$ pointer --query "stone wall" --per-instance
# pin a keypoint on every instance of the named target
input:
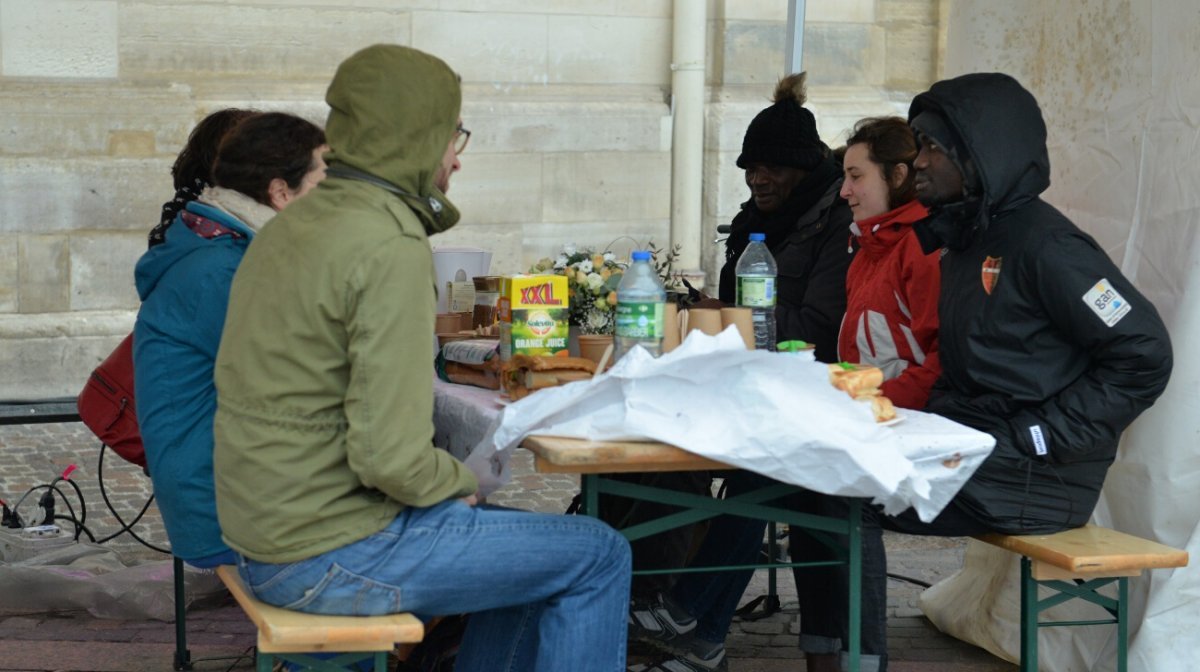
(568, 102)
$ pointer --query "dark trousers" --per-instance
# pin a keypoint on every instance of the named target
(666, 550)
(712, 597)
(823, 591)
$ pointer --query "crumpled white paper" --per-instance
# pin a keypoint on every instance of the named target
(775, 414)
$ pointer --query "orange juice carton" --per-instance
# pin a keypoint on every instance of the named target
(533, 315)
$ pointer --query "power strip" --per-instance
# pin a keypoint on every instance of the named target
(24, 543)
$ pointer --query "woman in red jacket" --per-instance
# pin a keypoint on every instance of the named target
(892, 287)
(891, 322)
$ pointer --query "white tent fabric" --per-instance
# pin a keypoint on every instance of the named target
(1119, 84)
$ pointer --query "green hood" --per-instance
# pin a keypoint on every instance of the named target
(393, 111)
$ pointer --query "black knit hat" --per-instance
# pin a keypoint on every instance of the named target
(784, 134)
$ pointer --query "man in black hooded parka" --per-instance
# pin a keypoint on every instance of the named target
(1044, 344)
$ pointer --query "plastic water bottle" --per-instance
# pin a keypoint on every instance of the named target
(640, 301)
(756, 273)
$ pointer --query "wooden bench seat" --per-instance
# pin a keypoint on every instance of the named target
(1076, 564)
(282, 632)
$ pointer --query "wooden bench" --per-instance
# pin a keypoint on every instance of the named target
(1075, 564)
(288, 635)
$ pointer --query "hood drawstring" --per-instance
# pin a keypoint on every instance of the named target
(349, 173)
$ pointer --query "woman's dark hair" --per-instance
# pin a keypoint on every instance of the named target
(890, 142)
(195, 161)
(264, 147)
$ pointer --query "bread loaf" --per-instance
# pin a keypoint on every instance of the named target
(479, 375)
(856, 380)
(524, 374)
(883, 409)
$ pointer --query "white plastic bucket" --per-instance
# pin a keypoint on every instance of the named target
(458, 264)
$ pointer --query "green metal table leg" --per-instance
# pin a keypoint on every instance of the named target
(1122, 624)
(264, 662)
(590, 487)
(772, 550)
(1029, 618)
(855, 561)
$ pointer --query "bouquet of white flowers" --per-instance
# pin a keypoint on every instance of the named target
(592, 280)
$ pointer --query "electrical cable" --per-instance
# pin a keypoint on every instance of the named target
(79, 521)
(908, 579)
(125, 527)
(248, 653)
(79, 527)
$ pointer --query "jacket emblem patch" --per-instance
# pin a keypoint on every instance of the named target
(990, 273)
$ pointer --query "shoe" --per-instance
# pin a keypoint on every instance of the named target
(662, 623)
(822, 662)
(687, 663)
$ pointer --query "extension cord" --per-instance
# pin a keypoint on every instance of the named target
(24, 543)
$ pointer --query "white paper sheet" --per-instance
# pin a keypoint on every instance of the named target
(775, 414)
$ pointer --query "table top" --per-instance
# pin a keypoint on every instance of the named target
(558, 454)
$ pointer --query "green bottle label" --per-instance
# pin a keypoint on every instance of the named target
(640, 320)
(756, 292)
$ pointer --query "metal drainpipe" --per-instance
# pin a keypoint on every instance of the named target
(793, 56)
(688, 34)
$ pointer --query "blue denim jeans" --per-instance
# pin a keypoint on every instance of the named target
(545, 592)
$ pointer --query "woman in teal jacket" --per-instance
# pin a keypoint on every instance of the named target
(264, 163)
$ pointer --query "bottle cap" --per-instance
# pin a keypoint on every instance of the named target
(758, 237)
(641, 255)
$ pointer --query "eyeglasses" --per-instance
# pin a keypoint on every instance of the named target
(461, 137)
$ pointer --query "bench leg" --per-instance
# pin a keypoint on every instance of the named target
(327, 662)
(1122, 624)
(1029, 618)
(183, 657)
(263, 662)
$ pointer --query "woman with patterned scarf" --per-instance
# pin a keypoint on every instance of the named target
(264, 163)
(192, 170)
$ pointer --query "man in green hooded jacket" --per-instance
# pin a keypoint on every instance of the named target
(329, 487)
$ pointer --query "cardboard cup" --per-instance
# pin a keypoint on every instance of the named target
(707, 320)
(448, 323)
(671, 330)
(592, 346)
(743, 319)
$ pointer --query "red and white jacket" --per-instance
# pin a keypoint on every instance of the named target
(892, 306)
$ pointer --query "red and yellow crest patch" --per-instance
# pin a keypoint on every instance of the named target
(990, 273)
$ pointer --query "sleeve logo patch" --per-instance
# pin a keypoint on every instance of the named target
(1106, 303)
(1039, 440)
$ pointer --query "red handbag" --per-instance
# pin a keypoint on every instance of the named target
(106, 404)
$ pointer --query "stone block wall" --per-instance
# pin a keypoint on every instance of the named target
(568, 102)
(863, 58)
